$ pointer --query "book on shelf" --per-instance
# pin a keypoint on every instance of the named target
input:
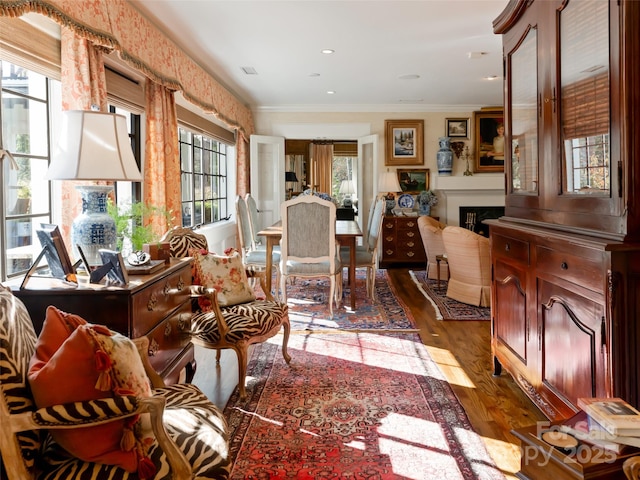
(580, 426)
(614, 415)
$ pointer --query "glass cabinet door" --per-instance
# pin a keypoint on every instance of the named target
(584, 98)
(524, 115)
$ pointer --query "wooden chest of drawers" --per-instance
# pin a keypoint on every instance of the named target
(401, 243)
(156, 305)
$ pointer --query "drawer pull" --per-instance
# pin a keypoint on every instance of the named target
(410, 244)
(153, 347)
(183, 323)
(507, 247)
(389, 252)
(564, 266)
(167, 289)
(389, 239)
(167, 330)
(410, 224)
(180, 285)
(410, 254)
(153, 301)
(410, 234)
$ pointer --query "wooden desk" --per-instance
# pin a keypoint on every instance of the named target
(157, 306)
(346, 233)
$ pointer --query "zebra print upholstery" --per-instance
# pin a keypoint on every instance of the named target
(182, 239)
(191, 421)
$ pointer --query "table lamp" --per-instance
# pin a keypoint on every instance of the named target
(346, 189)
(289, 178)
(93, 146)
(388, 182)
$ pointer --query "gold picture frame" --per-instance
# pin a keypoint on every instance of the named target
(413, 180)
(404, 142)
(489, 150)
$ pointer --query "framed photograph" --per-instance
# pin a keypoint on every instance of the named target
(55, 251)
(117, 274)
(413, 180)
(457, 127)
(489, 141)
(404, 142)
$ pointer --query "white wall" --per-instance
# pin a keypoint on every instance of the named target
(483, 189)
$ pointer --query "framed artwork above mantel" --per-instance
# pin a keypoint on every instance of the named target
(404, 142)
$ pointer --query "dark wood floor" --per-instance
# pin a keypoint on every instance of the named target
(495, 405)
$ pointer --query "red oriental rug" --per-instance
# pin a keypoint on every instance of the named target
(351, 405)
(447, 308)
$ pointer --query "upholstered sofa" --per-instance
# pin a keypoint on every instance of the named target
(431, 234)
(468, 256)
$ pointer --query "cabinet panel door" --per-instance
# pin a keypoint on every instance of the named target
(511, 324)
(572, 341)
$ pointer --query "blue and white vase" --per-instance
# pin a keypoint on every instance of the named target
(94, 228)
(445, 157)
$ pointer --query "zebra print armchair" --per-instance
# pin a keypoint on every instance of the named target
(191, 438)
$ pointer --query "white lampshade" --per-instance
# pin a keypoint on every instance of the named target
(93, 146)
(388, 182)
(346, 187)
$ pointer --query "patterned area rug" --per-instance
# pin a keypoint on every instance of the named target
(351, 405)
(447, 308)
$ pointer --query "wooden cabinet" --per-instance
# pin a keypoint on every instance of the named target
(401, 242)
(566, 254)
(156, 305)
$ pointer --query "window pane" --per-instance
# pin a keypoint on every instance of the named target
(23, 82)
(23, 122)
(22, 244)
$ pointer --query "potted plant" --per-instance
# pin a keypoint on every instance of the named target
(426, 200)
(133, 228)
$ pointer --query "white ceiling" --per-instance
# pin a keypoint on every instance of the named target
(375, 42)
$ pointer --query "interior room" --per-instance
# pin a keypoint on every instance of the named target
(355, 239)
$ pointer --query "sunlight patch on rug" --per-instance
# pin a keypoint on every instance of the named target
(352, 406)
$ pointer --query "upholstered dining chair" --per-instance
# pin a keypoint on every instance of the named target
(94, 420)
(228, 314)
(367, 254)
(308, 247)
(254, 256)
(468, 256)
(431, 233)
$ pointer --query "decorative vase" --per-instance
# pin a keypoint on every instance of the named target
(94, 228)
(425, 209)
(445, 156)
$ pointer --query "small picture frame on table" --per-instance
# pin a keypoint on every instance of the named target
(117, 274)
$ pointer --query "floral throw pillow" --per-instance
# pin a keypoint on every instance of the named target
(225, 274)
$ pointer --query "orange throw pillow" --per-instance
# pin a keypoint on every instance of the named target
(77, 361)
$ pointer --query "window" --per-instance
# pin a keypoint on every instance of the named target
(29, 101)
(130, 192)
(204, 174)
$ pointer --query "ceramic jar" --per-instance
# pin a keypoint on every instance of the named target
(445, 157)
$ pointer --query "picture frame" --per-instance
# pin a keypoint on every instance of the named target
(457, 127)
(404, 142)
(413, 180)
(55, 253)
(117, 274)
(488, 158)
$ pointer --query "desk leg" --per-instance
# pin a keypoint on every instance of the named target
(269, 262)
(352, 271)
(438, 269)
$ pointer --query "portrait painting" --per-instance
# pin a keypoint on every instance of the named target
(489, 140)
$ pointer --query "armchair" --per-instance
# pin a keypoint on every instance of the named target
(468, 256)
(190, 432)
(431, 234)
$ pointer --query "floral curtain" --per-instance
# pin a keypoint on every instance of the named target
(83, 85)
(162, 159)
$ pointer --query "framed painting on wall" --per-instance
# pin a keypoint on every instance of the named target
(404, 142)
(413, 180)
(489, 140)
(457, 127)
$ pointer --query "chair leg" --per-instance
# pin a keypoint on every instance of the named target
(241, 349)
(283, 288)
(332, 293)
(218, 353)
(285, 339)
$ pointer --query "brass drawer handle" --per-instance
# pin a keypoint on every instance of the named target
(153, 347)
(410, 224)
(167, 289)
(180, 284)
(410, 234)
(410, 254)
(153, 301)
(410, 244)
(167, 330)
(389, 252)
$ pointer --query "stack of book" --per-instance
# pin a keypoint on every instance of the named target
(609, 423)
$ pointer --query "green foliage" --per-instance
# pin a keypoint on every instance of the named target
(133, 223)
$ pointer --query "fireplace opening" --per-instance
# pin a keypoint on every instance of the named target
(472, 218)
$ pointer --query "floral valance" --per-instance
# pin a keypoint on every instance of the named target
(117, 25)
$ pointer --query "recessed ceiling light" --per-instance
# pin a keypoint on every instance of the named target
(476, 54)
(327, 51)
(314, 74)
(249, 70)
(491, 77)
(331, 92)
(410, 76)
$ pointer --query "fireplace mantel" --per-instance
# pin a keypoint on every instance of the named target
(476, 190)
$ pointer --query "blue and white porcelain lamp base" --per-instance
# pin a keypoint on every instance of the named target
(94, 228)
